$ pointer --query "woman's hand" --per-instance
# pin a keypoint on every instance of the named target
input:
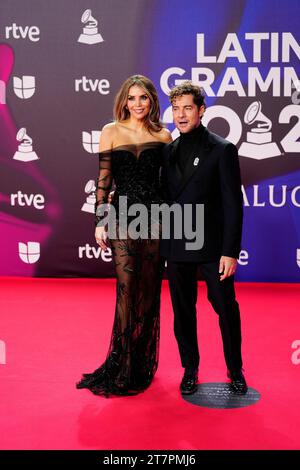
(101, 237)
(110, 197)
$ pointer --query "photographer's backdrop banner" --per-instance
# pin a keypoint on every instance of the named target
(61, 64)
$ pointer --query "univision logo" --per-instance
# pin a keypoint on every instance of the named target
(29, 252)
(24, 87)
(90, 141)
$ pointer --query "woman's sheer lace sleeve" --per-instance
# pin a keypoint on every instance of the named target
(103, 187)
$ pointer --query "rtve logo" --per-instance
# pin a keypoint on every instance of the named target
(22, 199)
(20, 32)
(89, 251)
(88, 84)
(29, 252)
(243, 258)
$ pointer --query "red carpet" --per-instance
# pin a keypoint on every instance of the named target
(55, 329)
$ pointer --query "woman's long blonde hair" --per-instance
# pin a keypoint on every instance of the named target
(152, 121)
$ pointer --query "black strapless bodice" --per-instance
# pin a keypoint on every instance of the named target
(134, 170)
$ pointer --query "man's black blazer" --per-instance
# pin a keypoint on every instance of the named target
(211, 177)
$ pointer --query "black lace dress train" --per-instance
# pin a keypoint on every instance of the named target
(132, 357)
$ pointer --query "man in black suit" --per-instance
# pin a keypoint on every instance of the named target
(202, 168)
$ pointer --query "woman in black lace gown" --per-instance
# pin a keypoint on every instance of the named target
(130, 156)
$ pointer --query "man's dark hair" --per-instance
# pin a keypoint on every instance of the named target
(188, 88)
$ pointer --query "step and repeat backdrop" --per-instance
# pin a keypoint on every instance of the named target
(61, 64)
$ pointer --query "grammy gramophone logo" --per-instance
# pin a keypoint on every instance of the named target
(90, 33)
(259, 143)
(25, 151)
(89, 205)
